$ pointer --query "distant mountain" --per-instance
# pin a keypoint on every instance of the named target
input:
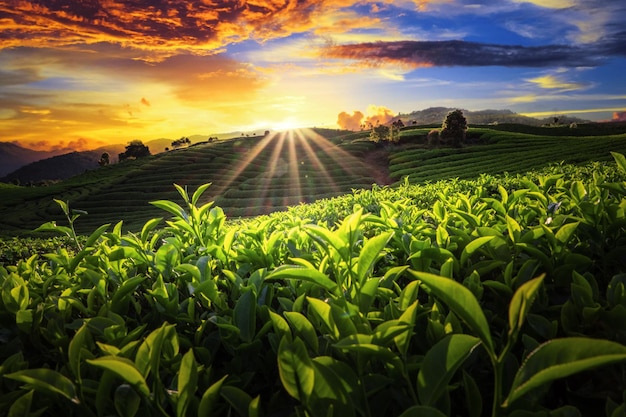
(13, 156)
(58, 167)
(436, 115)
(25, 165)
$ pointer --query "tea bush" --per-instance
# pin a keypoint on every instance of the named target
(496, 296)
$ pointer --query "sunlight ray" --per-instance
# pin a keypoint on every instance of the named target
(317, 164)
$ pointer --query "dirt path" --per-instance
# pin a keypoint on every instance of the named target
(378, 163)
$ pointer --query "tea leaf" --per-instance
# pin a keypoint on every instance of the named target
(460, 300)
(520, 304)
(370, 253)
(21, 406)
(125, 369)
(126, 401)
(620, 160)
(237, 398)
(244, 315)
(559, 358)
(187, 383)
(303, 329)
(422, 411)
(473, 246)
(440, 364)
(303, 274)
(47, 380)
(295, 369)
(210, 397)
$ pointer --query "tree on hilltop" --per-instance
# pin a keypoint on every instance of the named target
(104, 159)
(184, 141)
(454, 128)
(135, 149)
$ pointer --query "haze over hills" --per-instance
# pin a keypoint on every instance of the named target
(18, 164)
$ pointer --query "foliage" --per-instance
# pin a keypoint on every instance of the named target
(184, 141)
(135, 149)
(104, 159)
(454, 128)
(493, 298)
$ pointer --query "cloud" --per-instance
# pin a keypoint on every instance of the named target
(556, 83)
(376, 115)
(161, 28)
(350, 122)
(145, 102)
(619, 116)
(459, 53)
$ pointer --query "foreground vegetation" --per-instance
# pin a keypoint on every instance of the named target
(501, 295)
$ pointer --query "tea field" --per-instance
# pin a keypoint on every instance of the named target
(488, 280)
(258, 175)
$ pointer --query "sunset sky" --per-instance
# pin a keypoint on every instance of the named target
(85, 73)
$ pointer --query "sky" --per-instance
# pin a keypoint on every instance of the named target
(84, 73)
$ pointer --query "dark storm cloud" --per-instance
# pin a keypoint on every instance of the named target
(462, 53)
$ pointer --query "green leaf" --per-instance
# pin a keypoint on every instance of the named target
(126, 401)
(559, 358)
(237, 398)
(520, 304)
(473, 246)
(76, 346)
(620, 160)
(120, 295)
(148, 227)
(370, 253)
(460, 300)
(514, 228)
(244, 315)
(47, 380)
(304, 274)
(303, 329)
(198, 193)
(125, 369)
(422, 411)
(440, 364)
(210, 397)
(187, 383)
(565, 232)
(21, 406)
(473, 397)
(295, 369)
(170, 207)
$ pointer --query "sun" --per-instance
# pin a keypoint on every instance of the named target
(287, 124)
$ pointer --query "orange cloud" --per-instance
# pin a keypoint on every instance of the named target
(376, 115)
(163, 28)
(350, 122)
(619, 116)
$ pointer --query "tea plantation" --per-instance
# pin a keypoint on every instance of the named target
(494, 292)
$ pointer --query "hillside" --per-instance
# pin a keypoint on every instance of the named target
(434, 116)
(13, 156)
(259, 175)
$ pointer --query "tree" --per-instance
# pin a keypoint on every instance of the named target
(454, 128)
(181, 142)
(104, 159)
(135, 149)
(379, 133)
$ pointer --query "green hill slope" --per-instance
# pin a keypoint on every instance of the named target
(260, 175)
